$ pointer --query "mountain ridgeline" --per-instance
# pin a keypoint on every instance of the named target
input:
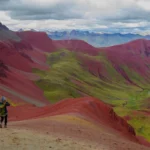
(96, 39)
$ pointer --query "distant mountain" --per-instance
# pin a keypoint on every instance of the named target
(22, 30)
(96, 39)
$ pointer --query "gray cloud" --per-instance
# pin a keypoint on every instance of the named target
(6, 1)
(75, 9)
(108, 15)
(131, 15)
(27, 15)
(24, 11)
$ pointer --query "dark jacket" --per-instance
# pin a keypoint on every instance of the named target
(5, 107)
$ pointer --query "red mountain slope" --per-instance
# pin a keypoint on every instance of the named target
(77, 46)
(20, 58)
(39, 40)
(135, 55)
(88, 108)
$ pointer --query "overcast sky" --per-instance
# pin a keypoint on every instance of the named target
(97, 15)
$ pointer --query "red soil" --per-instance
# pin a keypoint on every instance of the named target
(134, 54)
(10, 55)
(88, 108)
(22, 52)
(38, 39)
(95, 67)
(77, 46)
(20, 58)
(23, 85)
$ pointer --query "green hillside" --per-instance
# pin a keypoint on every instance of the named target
(68, 77)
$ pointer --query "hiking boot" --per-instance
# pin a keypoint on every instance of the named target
(0, 125)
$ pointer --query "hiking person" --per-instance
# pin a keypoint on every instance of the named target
(3, 111)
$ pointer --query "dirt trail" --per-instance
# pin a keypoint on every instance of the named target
(19, 139)
(61, 133)
(21, 96)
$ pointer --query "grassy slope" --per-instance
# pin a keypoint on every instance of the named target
(67, 78)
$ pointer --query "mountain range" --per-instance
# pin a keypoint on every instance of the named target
(96, 39)
(73, 88)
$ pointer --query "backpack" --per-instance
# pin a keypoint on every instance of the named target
(2, 109)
